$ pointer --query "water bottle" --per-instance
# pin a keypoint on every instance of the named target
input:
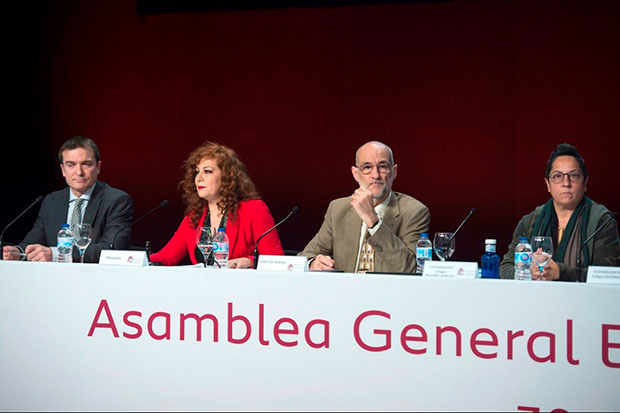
(220, 248)
(423, 251)
(523, 260)
(65, 244)
(490, 260)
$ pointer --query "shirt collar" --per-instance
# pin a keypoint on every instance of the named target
(380, 209)
(85, 196)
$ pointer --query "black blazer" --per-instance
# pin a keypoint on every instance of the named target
(109, 211)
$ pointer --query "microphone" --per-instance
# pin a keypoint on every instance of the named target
(612, 215)
(163, 204)
(293, 211)
(471, 212)
(36, 201)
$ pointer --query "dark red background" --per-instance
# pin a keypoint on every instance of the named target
(471, 95)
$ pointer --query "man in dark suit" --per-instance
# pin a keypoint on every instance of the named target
(86, 200)
(374, 229)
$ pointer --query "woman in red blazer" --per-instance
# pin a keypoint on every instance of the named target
(218, 193)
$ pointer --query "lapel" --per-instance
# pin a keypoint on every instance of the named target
(232, 231)
(391, 217)
(58, 216)
(93, 205)
(352, 233)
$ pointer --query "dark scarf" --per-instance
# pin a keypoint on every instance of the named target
(546, 224)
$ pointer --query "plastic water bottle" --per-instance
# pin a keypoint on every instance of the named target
(220, 248)
(490, 260)
(423, 251)
(523, 260)
(65, 244)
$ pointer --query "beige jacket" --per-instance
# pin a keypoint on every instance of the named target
(394, 243)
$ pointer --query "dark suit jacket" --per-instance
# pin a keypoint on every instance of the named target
(394, 243)
(109, 211)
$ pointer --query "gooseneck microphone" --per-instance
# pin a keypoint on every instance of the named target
(293, 211)
(471, 212)
(36, 201)
(612, 215)
(163, 204)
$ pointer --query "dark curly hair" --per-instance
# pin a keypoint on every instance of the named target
(236, 184)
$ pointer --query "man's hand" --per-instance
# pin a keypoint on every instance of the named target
(363, 203)
(550, 273)
(37, 252)
(11, 253)
(322, 263)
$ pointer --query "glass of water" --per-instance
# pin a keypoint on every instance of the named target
(204, 242)
(444, 245)
(82, 238)
(542, 251)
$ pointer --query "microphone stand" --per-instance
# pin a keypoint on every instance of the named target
(36, 201)
(294, 210)
(581, 277)
(471, 212)
(163, 204)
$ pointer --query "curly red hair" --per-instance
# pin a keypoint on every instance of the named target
(236, 184)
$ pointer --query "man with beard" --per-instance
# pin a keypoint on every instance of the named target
(374, 229)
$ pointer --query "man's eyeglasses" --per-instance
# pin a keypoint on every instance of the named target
(558, 177)
(367, 168)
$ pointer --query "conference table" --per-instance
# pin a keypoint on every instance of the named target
(103, 337)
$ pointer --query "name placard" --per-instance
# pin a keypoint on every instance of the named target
(450, 269)
(603, 275)
(282, 263)
(122, 257)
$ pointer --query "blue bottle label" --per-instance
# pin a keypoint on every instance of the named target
(523, 257)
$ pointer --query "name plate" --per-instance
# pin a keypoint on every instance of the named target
(603, 275)
(450, 269)
(121, 257)
(282, 263)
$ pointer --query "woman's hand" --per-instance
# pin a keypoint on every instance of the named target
(240, 263)
(550, 273)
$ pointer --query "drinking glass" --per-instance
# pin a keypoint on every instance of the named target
(82, 238)
(444, 245)
(204, 241)
(542, 251)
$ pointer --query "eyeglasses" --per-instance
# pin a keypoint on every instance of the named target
(574, 176)
(366, 169)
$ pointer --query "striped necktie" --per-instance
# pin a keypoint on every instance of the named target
(76, 215)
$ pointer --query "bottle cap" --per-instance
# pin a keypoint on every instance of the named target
(65, 225)
(490, 241)
(424, 234)
(221, 230)
(522, 239)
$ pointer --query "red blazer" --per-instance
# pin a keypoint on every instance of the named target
(253, 219)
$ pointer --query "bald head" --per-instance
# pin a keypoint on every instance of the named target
(376, 145)
(375, 170)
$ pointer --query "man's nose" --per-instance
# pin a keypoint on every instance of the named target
(375, 173)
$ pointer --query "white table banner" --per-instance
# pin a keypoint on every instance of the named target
(93, 337)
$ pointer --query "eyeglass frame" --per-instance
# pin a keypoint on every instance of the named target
(567, 174)
(387, 166)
